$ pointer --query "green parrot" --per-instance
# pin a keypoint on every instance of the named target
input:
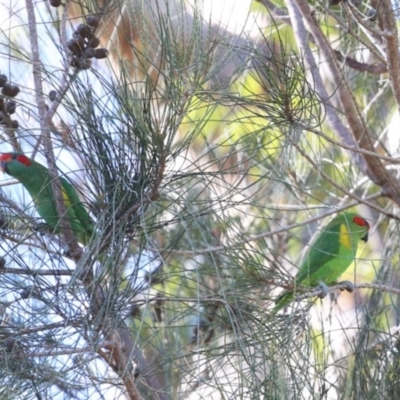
(331, 254)
(36, 180)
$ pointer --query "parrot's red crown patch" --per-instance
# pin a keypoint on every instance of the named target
(7, 157)
(23, 159)
(360, 221)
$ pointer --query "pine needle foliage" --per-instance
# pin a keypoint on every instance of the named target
(210, 155)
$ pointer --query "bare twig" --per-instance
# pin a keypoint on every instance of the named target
(344, 286)
(387, 21)
(40, 272)
(375, 69)
(391, 160)
(45, 123)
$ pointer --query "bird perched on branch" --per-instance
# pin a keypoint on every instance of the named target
(330, 255)
(37, 181)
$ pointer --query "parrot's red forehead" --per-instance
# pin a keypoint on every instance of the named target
(361, 221)
(7, 157)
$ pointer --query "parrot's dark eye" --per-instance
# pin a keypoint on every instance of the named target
(4, 167)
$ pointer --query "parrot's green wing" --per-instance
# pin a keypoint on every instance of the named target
(38, 183)
(323, 251)
(80, 220)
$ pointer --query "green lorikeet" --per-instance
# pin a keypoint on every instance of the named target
(330, 255)
(37, 181)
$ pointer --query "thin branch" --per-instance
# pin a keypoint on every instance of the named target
(45, 124)
(56, 353)
(344, 286)
(391, 160)
(375, 69)
(30, 272)
(387, 21)
(71, 322)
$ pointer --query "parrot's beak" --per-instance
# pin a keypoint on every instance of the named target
(4, 167)
(365, 238)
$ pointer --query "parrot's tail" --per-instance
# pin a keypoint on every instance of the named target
(282, 301)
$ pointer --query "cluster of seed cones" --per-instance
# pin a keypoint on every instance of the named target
(84, 43)
(7, 104)
(83, 46)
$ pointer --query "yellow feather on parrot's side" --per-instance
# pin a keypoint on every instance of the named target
(344, 236)
(67, 200)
